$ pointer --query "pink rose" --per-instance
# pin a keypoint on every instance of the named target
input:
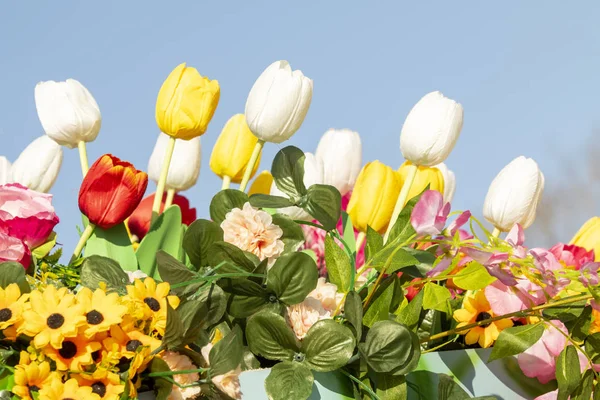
(26, 214)
(13, 249)
(571, 255)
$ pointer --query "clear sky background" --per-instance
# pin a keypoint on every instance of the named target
(525, 72)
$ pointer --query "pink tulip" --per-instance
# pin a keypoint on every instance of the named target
(13, 249)
(26, 214)
(430, 213)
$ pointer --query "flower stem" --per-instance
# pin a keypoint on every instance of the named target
(410, 178)
(171, 373)
(361, 384)
(160, 188)
(226, 182)
(170, 197)
(250, 167)
(339, 306)
(496, 232)
(89, 229)
(83, 159)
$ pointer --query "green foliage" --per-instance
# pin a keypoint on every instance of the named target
(162, 387)
(412, 314)
(174, 330)
(97, 269)
(292, 277)
(353, 312)
(568, 373)
(448, 389)
(516, 340)
(324, 203)
(289, 380)
(393, 259)
(234, 259)
(173, 271)
(198, 238)
(269, 336)
(113, 243)
(267, 201)
(403, 229)
(293, 236)
(391, 387)
(13, 272)
(436, 297)
(339, 266)
(379, 307)
(584, 390)
(288, 171)
(473, 277)
(328, 346)
(226, 355)
(374, 244)
(225, 201)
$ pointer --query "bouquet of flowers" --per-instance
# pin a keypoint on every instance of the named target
(323, 266)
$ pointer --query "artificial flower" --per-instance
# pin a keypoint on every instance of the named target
(13, 249)
(30, 377)
(57, 390)
(262, 184)
(184, 168)
(12, 305)
(108, 388)
(37, 166)
(341, 153)
(430, 214)
(74, 353)
(572, 256)
(181, 362)
(128, 342)
(5, 171)
(588, 236)
(425, 176)
(102, 310)
(152, 299)
(449, 181)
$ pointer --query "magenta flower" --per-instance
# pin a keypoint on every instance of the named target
(572, 255)
(13, 249)
(589, 274)
(430, 213)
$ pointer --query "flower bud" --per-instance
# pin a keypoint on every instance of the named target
(514, 195)
(185, 162)
(233, 150)
(374, 197)
(425, 176)
(431, 130)
(449, 182)
(68, 112)
(341, 152)
(5, 174)
(262, 184)
(38, 165)
(588, 236)
(186, 103)
(278, 102)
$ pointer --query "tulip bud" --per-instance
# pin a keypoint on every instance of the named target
(374, 197)
(38, 165)
(588, 236)
(313, 174)
(431, 130)
(449, 182)
(341, 152)
(110, 191)
(233, 149)
(186, 103)
(5, 174)
(185, 163)
(278, 102)
(68, 112)
(425, 176)
(514, 195)
(139, 221)
(262, 184)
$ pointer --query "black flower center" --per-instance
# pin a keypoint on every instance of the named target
(68, 398)
(32, 390)
(68, 350)
(152, 303)
(94, 317)
(133, 345)
(483, 316)
(55, 321)
(96, 356)
(5, 314)
(99, 388)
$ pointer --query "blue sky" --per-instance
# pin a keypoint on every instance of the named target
(526, 74)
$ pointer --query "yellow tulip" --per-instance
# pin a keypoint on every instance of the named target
(262, 184)
(233, 149)
(374, 197)
(186, 103)
(425, 176)
(588, 236)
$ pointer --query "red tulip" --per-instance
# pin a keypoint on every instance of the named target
(139, 222)
(110, 191)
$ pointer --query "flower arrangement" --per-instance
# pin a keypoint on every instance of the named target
(325, 265)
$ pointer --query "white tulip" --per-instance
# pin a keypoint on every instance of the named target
(514, 195)
(431, 130)
(38, 165)
(449, 182)
(68, 112)
(278, 102)
(313, 174)
(5, 168)
(185, 162)
(341, 152)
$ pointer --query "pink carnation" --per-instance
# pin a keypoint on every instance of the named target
(571, 255)
(13, 249)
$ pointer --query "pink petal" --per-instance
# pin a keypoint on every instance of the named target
(516, 236)
(459, 222)
(427, 215)
(502, 299)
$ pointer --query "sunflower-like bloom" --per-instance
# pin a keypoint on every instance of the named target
(12, 305)
(101, 310)
(30, 377)
(57, 390)
(54, 315)
(108, 388)
(74, 354)
(476, 308)
(152, 299)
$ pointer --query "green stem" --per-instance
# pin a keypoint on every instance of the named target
(226, 182)
(250, 167)
(496, 232)
(171, 373)
(160, 188)
(410, 178)
(87, 232)
(83, 159)
(362, 385)
(170, 197)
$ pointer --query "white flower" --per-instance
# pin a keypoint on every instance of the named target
(38, 165)
(68, 112)
(449, 182)
(252, 230)
(313, 174)
(136, 275)
(185, 162)
(341, 153)
(278, 102)
(180, 362)
(5, 168)
(514, 195)
(431, 130)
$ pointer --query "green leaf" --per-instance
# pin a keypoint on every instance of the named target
(42, 250)
(516, 340)
(374, 243)
(592, 346)
(324, 203)
(293, 236)
(269, 336)
(436, 297)
(164, 234)
(267, 201)
(96, 269)
(353, 313)
(390, 387)
(162, 387)
(227, 354)
(391, 348)
(379, 307)
(289, 380)
(348, 232)
(214, 304)
(198, 238)
(113, 243)
(425, 261)
(174, 330)
(411, 314)
(220, 252)
(450, 390)
(13, 272)
(393, 259)
(225, 201)
(568, 373)
(190, 313)
(473, 277)
(584, 390)
(247, 297)
(580, 327)
(288, 171)
(328, 346)
(173, 271)
(339, 266)
(566, 313)
(293, 277)
(403, 229)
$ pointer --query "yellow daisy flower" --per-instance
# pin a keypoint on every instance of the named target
(108, 388)
(30, 377)
(476, 308)
(152, 299)
(11, 306)
(101, 310)
(54, 315)
(74, 354)
(70, 390)
(128, 343)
